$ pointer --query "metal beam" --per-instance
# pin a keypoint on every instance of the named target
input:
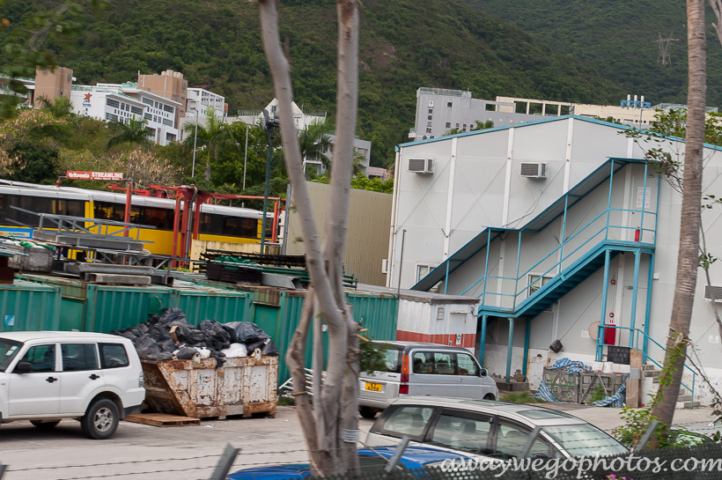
(482, 340)
(635, 289)
(510, 346)
(527, 333)
(605, 292)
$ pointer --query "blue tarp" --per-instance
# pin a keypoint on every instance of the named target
(572, 366)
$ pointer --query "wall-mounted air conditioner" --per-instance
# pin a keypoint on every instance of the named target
(421, 165)
(534, 170)
(385, 266)
(713, 292)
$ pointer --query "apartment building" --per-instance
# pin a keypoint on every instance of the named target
(169, 84)
(199, 103)
(121, 102)
(52, 84)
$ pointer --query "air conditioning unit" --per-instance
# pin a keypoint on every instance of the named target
(421, 165)
(713, 292)
(385, 266)
(534, 170)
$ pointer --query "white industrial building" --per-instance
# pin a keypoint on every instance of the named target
(199, 103)
(121, 102)
(556, 226)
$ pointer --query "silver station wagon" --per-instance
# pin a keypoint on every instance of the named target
(490, 430)
(423, 369)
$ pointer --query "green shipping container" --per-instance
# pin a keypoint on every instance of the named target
(29, 306)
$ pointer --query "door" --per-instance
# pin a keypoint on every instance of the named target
(463, 431)
(433, 373)
(80, 376)
(37, 392)
(471, 384)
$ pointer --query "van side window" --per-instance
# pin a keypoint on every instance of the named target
(41, 358)
(434, 363)
(113, 355)
(423, 362)
(467, 365)
(79, 356)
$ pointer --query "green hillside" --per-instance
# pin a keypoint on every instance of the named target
(617, 38)
(405, 44)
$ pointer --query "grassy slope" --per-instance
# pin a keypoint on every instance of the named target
(617, 38)
(405, 44)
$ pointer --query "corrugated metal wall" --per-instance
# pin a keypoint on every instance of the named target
(368, 231)
(29, 306)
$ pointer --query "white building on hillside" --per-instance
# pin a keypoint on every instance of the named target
(199, 102)
(556, 226)
(121, 102)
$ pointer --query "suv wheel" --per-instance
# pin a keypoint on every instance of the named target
(101, 419)
(45, 425)
(367, 412)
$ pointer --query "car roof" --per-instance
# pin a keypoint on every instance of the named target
(408, 345)
(43, 335)
(531, 414)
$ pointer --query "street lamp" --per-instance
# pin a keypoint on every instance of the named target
(268, 126)
(195, 139)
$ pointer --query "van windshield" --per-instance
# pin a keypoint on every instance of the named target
(8, 350)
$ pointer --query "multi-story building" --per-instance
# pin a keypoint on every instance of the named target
(564, 231)
(52, 84)
(168, 84)
(121, 102)
(199, 104)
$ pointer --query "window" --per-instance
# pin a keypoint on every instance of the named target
(449, 104)
(468, 433)
(510, 440)
(9, 215)
(8, 350)
(535, 282)
(136, 110)
(113, 355)
(434, 363)
(584, 440)
(112, 103)
(79, 357)
(448, 124)
(147, 101)
(41, 358)
(409, 420)
(111, 118)
(467, 365)
(168, 108)
(148, 116)
(160, 218)
(423, 270)
(167, 122)
(490, 107)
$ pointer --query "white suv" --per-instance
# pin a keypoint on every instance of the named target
(92, 377)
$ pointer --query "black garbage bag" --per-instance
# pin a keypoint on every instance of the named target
(186, 353)
(245, 332)
(147, 347)
(161, 334)
(267, 347)
(127, 334)
(160, 357)
(216, 337)
(170, 315)
(188, 334)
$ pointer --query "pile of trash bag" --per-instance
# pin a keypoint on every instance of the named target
(168, 335)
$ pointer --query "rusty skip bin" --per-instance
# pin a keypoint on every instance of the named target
(242, 386)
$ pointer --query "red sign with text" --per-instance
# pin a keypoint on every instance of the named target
(107, 176)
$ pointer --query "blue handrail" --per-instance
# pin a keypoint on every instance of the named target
(645, 357)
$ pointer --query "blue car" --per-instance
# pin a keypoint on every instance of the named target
(413, 458)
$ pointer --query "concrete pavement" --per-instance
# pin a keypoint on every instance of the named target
(189, 453)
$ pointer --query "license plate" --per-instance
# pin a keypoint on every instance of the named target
(374, 387)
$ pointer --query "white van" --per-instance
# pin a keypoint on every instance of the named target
(423, 369)
(47, 376)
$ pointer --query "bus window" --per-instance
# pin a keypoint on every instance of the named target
(73, 208)
(160, 218)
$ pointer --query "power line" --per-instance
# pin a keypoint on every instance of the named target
(665, 47)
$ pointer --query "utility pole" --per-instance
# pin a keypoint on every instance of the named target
(269, 126)
(195, 139)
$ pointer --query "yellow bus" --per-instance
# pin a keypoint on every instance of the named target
(217, 222)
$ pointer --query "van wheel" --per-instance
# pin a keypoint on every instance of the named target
(367, 412)
(101, 419)
(45, 425)
(489, 396)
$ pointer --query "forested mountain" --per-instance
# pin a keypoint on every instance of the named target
(405, 44)
(618, 39)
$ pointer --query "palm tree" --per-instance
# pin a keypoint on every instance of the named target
(133, 132)
(315, 142)
(688, 253)
(59, 108)
(213, 135)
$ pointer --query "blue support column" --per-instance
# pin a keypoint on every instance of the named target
(486, 265)
(482, 341)
(650, 280)
(605, 293)
(446, 279)
(527, 333)
(518, 261)
(635, 287)
(508, 352)
(609, 201)
(644, 203)
(564, 232)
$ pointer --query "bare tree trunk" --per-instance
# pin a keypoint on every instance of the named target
(688, 256)
(335, 399)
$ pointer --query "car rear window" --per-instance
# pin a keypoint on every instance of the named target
(585, 440)
(113, 355)
(390, 361)
(408, 420)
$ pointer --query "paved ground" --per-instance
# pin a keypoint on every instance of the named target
(187, 453)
